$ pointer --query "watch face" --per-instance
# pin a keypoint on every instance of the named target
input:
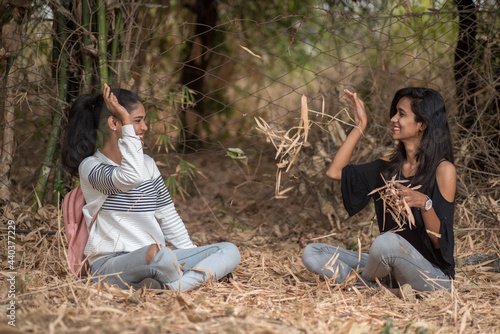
(428, 205)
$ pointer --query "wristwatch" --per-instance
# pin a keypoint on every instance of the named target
(428, 204)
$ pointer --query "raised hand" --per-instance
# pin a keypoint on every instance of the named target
(344, 153)
(116, 108)
(357, 107)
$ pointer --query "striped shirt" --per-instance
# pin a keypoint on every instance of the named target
(136, 209)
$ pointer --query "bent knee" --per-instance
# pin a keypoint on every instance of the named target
(385, 243)
(231, 249)
(311, 258)
(152, 251)
(308, 254)
(160, 256)
(318, 249)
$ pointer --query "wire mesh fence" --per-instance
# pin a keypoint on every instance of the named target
(206, 69)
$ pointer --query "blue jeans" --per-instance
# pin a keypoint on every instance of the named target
(386, 256)
(198, 265)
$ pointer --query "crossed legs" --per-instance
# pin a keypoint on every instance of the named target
(389, 254)
(164, 265)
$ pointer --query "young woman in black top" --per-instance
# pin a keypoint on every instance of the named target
(420, 256)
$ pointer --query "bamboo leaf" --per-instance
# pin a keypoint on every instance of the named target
(411, 219)
(404, 250)
(294, 157)
(323, 106)
(250, 52)
(292, 145)
(259, 124)
(304, 116)
(285, 191)
(377, 190)
(434, 233)
(237, 154)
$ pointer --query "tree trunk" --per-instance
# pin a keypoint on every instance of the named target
(62, 83)
(10, 28)
(195, 66)
(8, 134)
(465, 55)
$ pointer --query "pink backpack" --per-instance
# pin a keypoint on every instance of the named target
(77, 233)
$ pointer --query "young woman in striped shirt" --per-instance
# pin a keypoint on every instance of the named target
(135, 213)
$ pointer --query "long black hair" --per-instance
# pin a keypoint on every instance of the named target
(87, 120)
(435, 145)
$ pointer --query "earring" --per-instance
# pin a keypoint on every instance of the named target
(114, 129)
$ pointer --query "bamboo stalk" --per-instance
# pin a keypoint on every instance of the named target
(87, 62)
(58, 190)
(125, 58)
(102, 43)
(115, 44)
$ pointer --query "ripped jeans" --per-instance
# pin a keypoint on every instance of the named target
(386, 257)
(216, 260)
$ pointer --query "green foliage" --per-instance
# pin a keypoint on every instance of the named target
(236, 225)
(352, 246)
(59, 187)
(388, 327)
(185, 97)
(170, 124)
(422, 330)
(237, 154)
(164, 140)
(181, 182)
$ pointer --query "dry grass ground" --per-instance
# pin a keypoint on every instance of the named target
(272, 292)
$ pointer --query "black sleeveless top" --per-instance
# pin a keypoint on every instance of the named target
(359, 180)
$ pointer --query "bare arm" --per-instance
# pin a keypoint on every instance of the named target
(344, 153)
(446, 177)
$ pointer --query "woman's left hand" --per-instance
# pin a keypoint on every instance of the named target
(412, 197)
(114, 106)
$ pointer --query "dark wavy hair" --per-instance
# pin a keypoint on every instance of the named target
(87, 123)
(428, 107)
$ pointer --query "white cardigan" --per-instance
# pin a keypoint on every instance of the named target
(135, 206)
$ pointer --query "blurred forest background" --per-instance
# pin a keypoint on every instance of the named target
(212, 73)
(207, 68)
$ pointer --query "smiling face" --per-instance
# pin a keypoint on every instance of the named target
(404, 126)
(137, 117)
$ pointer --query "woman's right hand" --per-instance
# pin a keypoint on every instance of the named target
(344, 153)
(116, 108)
(358, 108)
